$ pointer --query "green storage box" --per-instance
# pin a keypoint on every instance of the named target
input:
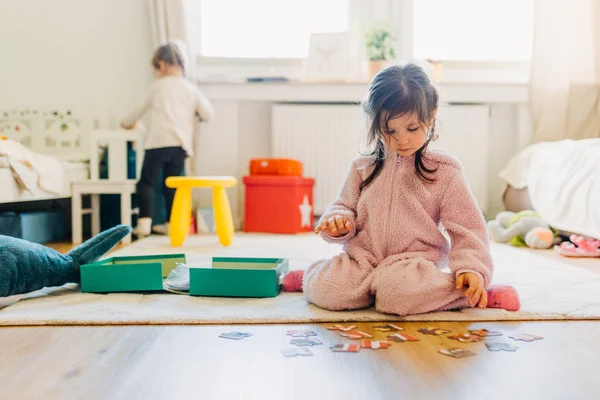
(239, 277)
(128, 274)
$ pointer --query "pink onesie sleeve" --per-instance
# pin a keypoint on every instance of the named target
(345, 205)
(464, 222)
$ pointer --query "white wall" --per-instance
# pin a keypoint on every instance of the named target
(90, 56)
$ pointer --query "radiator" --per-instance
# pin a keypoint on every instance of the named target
(326, 137)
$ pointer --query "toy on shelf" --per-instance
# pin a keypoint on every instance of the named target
(239, 277)
(525, 228)
(579, 246)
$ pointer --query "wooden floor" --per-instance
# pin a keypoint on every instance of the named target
(159, 362)
(65, 247)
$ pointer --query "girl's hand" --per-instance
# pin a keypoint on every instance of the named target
(334, 226)
(475, 293)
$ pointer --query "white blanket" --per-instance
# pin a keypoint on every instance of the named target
(563, 181)
(33, 169)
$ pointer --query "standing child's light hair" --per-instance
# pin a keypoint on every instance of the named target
(169, 53)
(399, 90)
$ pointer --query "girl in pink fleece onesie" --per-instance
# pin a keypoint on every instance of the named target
(390, 212)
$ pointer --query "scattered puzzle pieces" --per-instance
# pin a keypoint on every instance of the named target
(501, 347)
(341, 328)
(402, 337)
(356, 335)
(346, 348)
(456, 352)
(301, 333)
(235, 335)
(466, 338)
(434, 331)
(387, 328)
(484, 333)
(374, 344)
(306, 342)
(526, 337)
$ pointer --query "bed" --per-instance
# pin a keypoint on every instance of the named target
(58, 135)
(561, 181)
(13, 192)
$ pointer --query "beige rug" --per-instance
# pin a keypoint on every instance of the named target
(551, 288)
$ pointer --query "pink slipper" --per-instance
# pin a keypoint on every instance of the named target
(292, 281)
(503, 296)
(580, 247)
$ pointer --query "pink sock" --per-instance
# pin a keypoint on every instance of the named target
(503, 296)
(292, 281)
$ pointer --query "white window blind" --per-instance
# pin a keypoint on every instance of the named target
(473, 30)
(266, 28)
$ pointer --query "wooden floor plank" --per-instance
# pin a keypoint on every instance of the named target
(155, 362)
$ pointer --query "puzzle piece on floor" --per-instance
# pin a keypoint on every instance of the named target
(295, 351)
(526, 337)
(341, 328)
(306, 342)
(434, 331)
(402, 337)
(301, 333)
(346, 348)
(356, 335)
(484, 333)
(456, 352)
(387, 328)
(501, 347)
(235, 335)
(466, 338)
(374, 344)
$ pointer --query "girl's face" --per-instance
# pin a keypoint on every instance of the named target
(405, 134)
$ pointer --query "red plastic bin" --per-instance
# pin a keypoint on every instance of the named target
(275, 166)
(278, 204)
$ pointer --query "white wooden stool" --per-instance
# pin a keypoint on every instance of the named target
(95, 189)
(117, 182)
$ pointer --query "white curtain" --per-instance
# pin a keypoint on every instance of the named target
(168, 23)
(565, 78)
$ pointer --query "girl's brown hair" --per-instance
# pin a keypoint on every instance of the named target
(170, 54)
(395, 91)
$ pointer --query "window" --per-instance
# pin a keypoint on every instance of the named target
(266, 28)
(473, 30)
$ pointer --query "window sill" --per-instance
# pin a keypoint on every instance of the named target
(334, 92)
(499, 77)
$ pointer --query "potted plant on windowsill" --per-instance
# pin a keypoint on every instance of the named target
(379, 42)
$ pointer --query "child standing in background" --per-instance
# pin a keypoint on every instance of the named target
(175, 104)
(389, 212)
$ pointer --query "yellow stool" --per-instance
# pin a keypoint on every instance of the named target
(182, 206)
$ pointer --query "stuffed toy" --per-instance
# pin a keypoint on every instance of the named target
(26, 267)
(579, 246)
(525, 228)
